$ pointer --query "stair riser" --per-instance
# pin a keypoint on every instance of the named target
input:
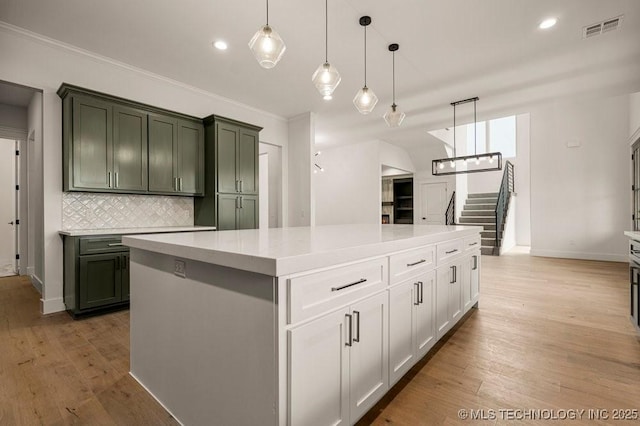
(488, 242)
(483, 195)
(491, 201)
(478, 213)
(487, 207)
(471, 220)
(488, 251)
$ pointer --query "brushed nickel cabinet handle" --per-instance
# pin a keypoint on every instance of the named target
(416, 263)
(180, 183)
(452, 251)
(117, 180)
(109, 179)
(114, 244)
(417, 286)
(356, 315)
(421, 292)
(342, 287)
(349, 330)
(475, 262)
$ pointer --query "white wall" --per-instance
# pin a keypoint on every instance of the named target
(579, 196)
(275, 183)
(35, 206)
(522, 184)
(13, 116)
(301, 200)
(634, 113)
(44, 64)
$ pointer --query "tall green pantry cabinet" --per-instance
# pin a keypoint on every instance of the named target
(231, 195)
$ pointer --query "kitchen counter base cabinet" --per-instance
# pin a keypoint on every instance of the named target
(96, 274)
(310, 346)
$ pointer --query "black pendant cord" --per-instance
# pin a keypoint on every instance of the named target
(475, 130)
(326, 31)
(393, 74)
(267, 12)
(365, 56)
(454, 130)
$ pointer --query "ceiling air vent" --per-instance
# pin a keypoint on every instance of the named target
(602, 27)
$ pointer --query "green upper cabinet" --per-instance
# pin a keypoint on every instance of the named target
(237, 157)
(115, 145)
(231, 174)
(176, 155)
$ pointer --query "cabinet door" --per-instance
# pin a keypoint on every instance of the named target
(425, 318)
(402, 299)
(190, 157)
(100, 280)
(248, 212)
(227, 211)
(163, 137)
(92, 143)
(248, 161)
(444, 279)
(467, 266)
(318, 373)
(369, 356)
(129, 149)
(455, 294)
(475, 277)
(227, 157)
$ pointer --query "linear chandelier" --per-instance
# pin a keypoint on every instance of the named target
(487, 162)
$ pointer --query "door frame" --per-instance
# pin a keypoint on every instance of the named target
(20, 138)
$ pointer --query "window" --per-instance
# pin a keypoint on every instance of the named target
(502, 136)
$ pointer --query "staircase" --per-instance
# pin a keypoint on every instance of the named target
(480, 210)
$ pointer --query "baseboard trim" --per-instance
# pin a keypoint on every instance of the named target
(155, 397)
(35, 281)
(580, 255)
(51, 306)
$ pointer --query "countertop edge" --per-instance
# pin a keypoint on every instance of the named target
(133, 231)
(279, 267)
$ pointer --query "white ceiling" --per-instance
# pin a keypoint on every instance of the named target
(15, 95)
(449, 50)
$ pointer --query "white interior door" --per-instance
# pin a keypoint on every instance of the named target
(263, 167)
(433, 203)
(7, 207)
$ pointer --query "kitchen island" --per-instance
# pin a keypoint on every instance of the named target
(292, 325)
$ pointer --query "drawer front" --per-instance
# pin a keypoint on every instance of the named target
(315, 293)
(404, 265)
(102, 244)
(472, 243)
(449, 250)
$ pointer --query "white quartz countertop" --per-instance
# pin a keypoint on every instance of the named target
(633, 235)
(123, 231)
(284, 251)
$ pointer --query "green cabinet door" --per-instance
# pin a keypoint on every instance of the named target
(91, 143)
(248, 161)
(227, 156)
(190, 157)
(248, 212)
(163, 136)
(125, 276)
(100, 280)
(227, 212)
(129, 149)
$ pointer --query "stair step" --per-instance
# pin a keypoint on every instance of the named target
(488, 234)
(490, 200)
(489, 251)
(477, 220)
(486, 213)
(484, 195)
(491, 207)
(488, 242)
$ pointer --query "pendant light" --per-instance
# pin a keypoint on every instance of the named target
(394, 116)
(365, 99)
(326, 78)
(266, 45)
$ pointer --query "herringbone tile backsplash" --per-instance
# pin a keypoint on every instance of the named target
(99, 211)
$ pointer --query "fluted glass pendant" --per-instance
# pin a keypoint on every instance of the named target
(394, 116)
(365, 100)
(326, 79)
(267, 47)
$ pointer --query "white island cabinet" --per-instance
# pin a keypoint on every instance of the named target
(291, 326)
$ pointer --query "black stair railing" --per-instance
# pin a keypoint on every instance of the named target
(450, 215)
(504, 196)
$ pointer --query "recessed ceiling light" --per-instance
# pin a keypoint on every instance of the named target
(220, 45)
(547, 23)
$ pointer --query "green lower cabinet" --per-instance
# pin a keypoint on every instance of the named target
(96, 274)
(237, 212)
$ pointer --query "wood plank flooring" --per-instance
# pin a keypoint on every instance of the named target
(550, 334)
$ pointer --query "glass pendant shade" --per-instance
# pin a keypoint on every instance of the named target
(326, 79)
(365, 100)
(267, 47)
(394, 116)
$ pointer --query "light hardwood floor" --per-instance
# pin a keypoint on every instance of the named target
(549, 334)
